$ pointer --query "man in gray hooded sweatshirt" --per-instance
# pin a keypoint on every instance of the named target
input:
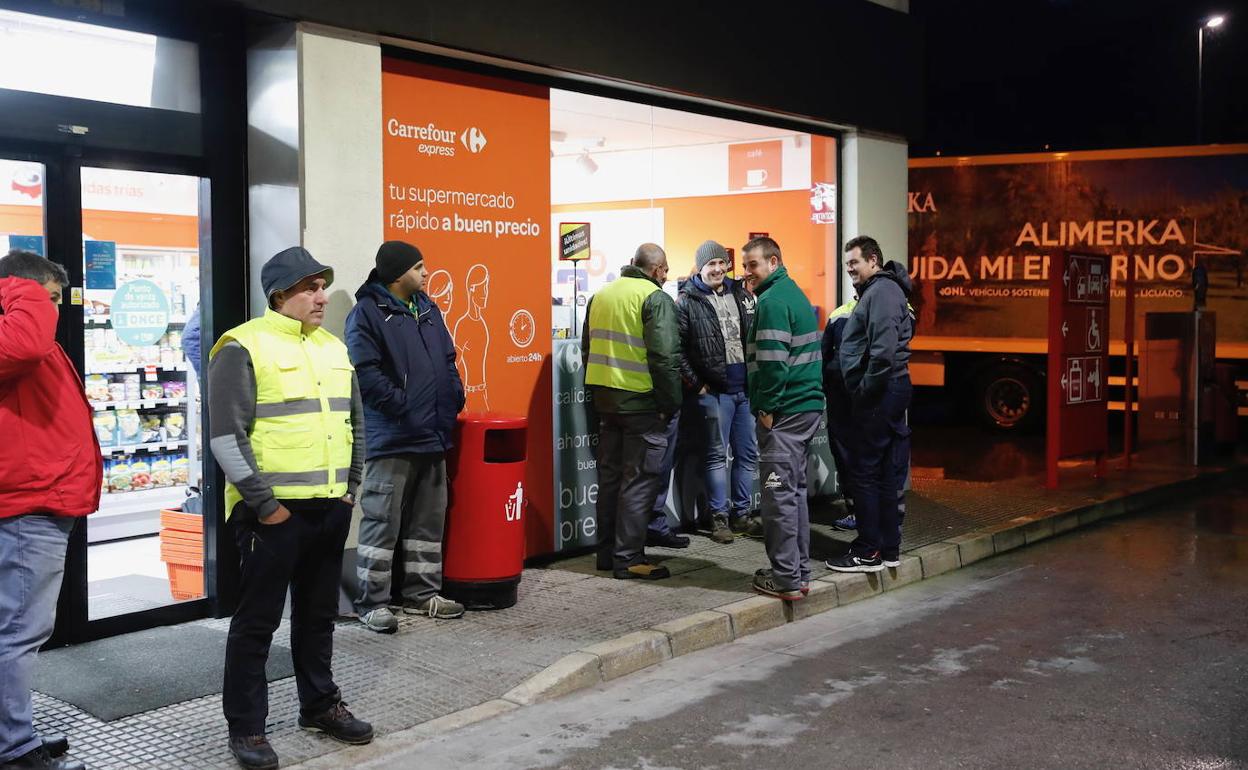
(875, 363)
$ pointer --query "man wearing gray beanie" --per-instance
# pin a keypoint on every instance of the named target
(715, 313)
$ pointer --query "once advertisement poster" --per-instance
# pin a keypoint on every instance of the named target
(467, 179)
(982, 235)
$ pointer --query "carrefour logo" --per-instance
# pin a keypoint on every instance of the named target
(472, 139)
(437, 141)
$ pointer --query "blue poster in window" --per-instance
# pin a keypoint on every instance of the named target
(140, 313)
(31, 243)
(101, 264)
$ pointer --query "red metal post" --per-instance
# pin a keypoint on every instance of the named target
(1053, 426)
(1128, 407)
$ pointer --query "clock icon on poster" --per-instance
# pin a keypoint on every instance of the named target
(522, 327)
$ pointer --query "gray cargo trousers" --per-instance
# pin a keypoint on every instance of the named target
(785, 510)
(630, 453)
(403, 498)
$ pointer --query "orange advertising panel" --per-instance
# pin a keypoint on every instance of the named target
(466, 177)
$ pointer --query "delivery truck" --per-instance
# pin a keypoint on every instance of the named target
(982, 231)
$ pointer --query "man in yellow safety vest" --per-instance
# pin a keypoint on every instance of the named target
(631, 349)
(287, 429)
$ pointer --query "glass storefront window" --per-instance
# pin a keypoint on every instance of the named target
(84, 61)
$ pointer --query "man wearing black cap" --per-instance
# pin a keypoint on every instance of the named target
(286, 426)
(411, 389)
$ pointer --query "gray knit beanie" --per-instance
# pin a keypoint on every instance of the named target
(706, 252)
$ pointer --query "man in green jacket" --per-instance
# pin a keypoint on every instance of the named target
(785, 383)
(631, 350)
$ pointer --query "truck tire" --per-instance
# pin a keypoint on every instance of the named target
(1009, 397)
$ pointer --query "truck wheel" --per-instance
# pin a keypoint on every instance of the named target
(1009, 397)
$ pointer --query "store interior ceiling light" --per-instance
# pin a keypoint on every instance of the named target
(587, 163)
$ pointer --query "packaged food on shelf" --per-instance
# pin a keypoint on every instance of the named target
(151, 428)
(134, 386)
(181, 468)
(119, 476)
(174, 388)
(117, 391)
(140, 474)
(152, 391)
(129, 426)
(108, 469)
(162, 471)
(175, 426)
(97, 389)
(105, 428)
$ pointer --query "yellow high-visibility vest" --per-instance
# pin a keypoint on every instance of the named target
(302, 435)
(617, 347)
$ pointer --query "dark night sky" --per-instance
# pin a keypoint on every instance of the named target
(1015, 75)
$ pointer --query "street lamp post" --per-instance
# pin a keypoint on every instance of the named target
(1212, 22)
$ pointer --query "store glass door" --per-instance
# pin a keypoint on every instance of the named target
(140, 292)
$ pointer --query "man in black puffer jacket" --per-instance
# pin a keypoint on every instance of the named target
(405, 361)
(715, 313)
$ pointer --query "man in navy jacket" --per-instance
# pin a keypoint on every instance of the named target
(405, 361)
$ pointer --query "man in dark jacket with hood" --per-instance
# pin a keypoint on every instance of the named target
(874, 360)
(405, 361)
(715, 314)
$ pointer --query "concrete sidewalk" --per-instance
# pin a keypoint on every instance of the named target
(574, 628)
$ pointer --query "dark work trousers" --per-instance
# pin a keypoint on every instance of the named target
(303, 553)
(881, 458)
(630, 450)
(403, 498)
(840, 431)
(785, 510)
(659, 526)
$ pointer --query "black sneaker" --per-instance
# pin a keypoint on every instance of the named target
(39, 759)
(55, 745)
(852, 562)
(804, 586)
(253, 752)
(890, 558)
(764, 582)
(340, 724)
(670, 540)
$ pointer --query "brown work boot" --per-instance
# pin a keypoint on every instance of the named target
(643, 571)
(720, 531)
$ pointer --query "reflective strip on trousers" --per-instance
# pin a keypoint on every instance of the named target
(422, 546)
(373, 553)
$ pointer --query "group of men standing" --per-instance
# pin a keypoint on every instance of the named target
(748, 361)
(300, 422)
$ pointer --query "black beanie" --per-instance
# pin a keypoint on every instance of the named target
(395, 258)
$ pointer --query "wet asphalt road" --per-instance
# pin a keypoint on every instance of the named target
(1119, 646)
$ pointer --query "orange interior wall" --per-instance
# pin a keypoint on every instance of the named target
(729, 219)
(125, 227)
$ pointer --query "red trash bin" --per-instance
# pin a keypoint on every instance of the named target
(483, 555)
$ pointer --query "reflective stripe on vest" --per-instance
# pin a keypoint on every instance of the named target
(302, 435)
(617, 346)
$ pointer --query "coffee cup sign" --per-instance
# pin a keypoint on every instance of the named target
(754, 166)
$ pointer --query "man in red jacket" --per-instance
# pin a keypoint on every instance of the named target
(50, 474)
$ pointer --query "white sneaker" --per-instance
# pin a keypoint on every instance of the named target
(435, 607)
(381, 620)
